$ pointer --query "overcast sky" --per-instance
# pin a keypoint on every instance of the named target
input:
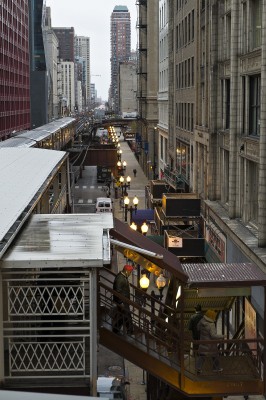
(92, 18)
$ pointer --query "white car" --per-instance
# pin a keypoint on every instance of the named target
(104, 204)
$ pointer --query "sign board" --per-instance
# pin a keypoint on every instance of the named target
(216, 240)
(250, 324)
(174, 241)
(129, 136)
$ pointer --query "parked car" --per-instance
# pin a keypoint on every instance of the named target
(111, 387)
(104, 204)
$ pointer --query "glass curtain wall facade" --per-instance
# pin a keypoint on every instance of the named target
(14, 67)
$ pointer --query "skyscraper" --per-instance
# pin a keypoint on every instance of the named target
(38, 68)
(66, 37)
(14, 67)
(120, 49)
(82, 49)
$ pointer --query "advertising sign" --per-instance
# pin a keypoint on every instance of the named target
(250, 324)
(216, 240)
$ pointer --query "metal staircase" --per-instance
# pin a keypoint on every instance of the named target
(161, 344)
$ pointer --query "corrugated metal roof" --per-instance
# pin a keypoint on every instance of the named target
(23, 172)
(224, 275)
(61, 240)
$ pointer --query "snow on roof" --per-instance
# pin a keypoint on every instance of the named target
(23, 172)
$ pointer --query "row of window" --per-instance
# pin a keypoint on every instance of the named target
(250, 106)
(185, 74)
(185, 116)
(163, 15)
(248, 187)
(251, 28)
(185, 31)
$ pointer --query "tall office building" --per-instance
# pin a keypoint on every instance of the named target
(14, 67)
(38, 68)
(66, 37)
(120, 49)
(66, 47)
(82, 50)
(68, 86)
(52, 58)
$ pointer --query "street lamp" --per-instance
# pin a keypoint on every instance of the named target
(124, 185)
(144, 228)
(130, 209)
(124, 165)
(135, 202)
(119, 167)
(160, 283)
(128, 180)
(126, 203)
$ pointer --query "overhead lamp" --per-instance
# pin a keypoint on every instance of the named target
(144, 282)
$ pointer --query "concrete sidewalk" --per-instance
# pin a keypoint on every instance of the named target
(135, 375)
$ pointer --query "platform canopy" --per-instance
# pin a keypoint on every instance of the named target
(24, 172)
(62, 241)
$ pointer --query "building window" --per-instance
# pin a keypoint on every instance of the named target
(227, 103)
(192, 71)
(254, 105)
(192, 25)
(228, 36)
(256, 22)
(253, 192)
(225, 180)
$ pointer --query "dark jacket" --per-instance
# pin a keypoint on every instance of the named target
(207, 329)
(121, 285)
(193, 322)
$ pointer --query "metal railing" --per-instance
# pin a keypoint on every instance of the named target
(158, 331)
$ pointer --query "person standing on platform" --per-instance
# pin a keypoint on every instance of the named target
(207, 329)
(192, 326)
(122, 315)
(135, 172)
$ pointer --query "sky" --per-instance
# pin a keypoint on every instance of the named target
(92, 18)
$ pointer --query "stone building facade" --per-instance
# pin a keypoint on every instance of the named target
(147, 138)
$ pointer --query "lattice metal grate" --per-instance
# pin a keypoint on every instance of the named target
(47, 325)
(47, 357)
(49, 299)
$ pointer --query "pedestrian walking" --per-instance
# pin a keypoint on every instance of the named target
(135, 172)
(192, 326)
(121, 314)
(207, 329)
